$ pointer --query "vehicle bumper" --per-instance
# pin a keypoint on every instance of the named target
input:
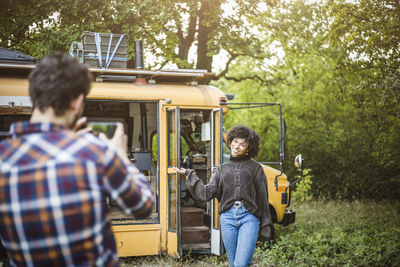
(289, 217)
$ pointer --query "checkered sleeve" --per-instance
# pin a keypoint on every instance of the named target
(127, 186)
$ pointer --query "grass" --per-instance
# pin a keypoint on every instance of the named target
(326, 233)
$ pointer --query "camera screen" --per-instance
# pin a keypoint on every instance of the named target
(108, 128)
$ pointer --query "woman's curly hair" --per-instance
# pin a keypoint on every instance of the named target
(251, 137)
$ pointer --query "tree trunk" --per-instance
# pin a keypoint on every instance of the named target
(186, 42)
(205, 28)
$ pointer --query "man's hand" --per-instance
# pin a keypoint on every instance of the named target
(119, 140)
(79, 124)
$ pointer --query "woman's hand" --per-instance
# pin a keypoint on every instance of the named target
(181, 170)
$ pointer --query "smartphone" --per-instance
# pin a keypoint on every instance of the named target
(106, 127)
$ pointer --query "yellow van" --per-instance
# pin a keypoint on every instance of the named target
(170, 120)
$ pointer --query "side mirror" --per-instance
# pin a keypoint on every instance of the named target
(298, 161)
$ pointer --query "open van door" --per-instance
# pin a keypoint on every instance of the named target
(216, 160)
(174, 239)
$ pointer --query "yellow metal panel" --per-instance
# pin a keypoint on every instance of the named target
(172, 244)
(196, 95)
(217, 146)
(178, 94)
(171, 240)
(163, 176)
(137, 240)
(275, 197)
(216, 213)
(14, 87)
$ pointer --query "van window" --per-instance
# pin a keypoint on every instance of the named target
(7, 119)
(171, 124)
(140, 122)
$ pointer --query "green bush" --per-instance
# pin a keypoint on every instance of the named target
(336, 234)
(326, 233)
(302, 190)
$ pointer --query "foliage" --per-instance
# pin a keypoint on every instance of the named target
(372, 49)
(302, 191)
(339, 95)
(265, 121)
(41, 26)
(326, 233)
(170, 28)
(332, 64)
(337, 234)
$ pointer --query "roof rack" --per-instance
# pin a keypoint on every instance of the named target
(159, 76)
(151, 73)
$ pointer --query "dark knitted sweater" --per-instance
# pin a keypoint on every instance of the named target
(242, 180)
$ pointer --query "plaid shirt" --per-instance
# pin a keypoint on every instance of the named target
(52, 196)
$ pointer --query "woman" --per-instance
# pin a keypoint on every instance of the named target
(240, 186)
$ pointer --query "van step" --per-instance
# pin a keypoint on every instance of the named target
(195, 234)
(196, 246)
(192, 216)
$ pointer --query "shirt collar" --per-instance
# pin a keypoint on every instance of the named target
(26, 127)
(241, 158)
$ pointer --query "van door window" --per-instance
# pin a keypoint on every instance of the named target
(195, 145)
(171, 124)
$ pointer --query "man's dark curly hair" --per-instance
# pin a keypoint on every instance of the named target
(56, 81)
(251, 137)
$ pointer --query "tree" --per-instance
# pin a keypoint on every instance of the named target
(340, 98)
(39, 27)
(333, 65)
(170, 28)
(368, 31)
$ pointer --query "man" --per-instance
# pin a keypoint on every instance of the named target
(53, 180)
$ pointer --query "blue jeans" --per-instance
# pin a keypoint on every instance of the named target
(239, 230)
